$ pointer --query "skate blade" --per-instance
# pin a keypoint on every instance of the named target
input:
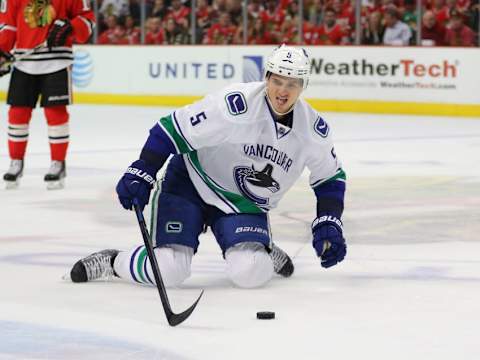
(56, 185)
(10, 185)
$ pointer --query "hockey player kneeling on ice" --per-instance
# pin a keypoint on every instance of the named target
(236, 154)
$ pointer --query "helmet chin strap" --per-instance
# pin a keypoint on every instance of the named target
(273, 109)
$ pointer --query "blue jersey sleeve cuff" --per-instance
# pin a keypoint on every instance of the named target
(330, 198)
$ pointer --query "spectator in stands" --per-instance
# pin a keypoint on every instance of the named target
(456, 5)
(132, 31)
(409, 14)
(234, 8)
(308, 32)
(254, 8)
(204, 13)
(221, 32)
(373, 31)
(441, 12)
(258, 33)
(458, 34)
(154, 34)
(330, 33)
(314, 12)
(272, 16)
(159, 9)
(219, 6)
(117, 8)
(375, 6)
(452, 5)
(289, 31)
(463, 6)
(292, 9)
(475, 14)
(433, 33)
(344, 14)
(135, 9)
(388, 4)
(179, 12)
(175, 34)
(397, 33)
(114, 34)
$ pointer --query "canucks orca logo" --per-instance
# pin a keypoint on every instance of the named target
(245, 177)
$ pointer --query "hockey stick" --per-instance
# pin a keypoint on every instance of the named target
(26, 54)
(172, 318)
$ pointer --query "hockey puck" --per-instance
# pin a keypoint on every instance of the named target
(265, 315)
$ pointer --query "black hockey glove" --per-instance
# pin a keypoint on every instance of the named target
(136, 183)
(328, 240)
(59, 32)
(6, 60)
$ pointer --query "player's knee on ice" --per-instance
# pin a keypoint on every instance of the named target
(248, 265)
(174, 262)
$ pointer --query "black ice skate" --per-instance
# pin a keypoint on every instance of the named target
(96, 266)
(14, 173)
(282, 264)
(55, 178)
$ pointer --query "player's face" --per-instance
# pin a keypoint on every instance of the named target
(283, 91)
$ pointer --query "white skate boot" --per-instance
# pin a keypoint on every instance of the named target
(13, 174)
(55, 178)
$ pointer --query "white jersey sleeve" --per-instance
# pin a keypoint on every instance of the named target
(217, 118)
(322, 161)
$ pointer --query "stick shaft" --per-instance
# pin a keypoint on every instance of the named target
(172, 318)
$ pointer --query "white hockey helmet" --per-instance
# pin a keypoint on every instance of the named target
(289, 61)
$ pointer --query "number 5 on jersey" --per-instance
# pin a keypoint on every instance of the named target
(197, 119)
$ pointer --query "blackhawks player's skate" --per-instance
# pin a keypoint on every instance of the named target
(96, 266)
(55, 178)
(282, 264)
(13, 174)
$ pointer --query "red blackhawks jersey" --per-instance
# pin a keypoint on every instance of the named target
(24, 24)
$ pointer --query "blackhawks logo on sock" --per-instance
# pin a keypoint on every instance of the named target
(39, 13)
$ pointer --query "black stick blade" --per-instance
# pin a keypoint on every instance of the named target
(175, 319)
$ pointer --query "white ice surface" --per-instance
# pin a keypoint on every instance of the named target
(408, 289)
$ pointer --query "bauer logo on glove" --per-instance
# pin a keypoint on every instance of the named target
(328, 240)
(141, 174)
(136, 183)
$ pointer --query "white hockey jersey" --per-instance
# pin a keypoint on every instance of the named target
(239, 158)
